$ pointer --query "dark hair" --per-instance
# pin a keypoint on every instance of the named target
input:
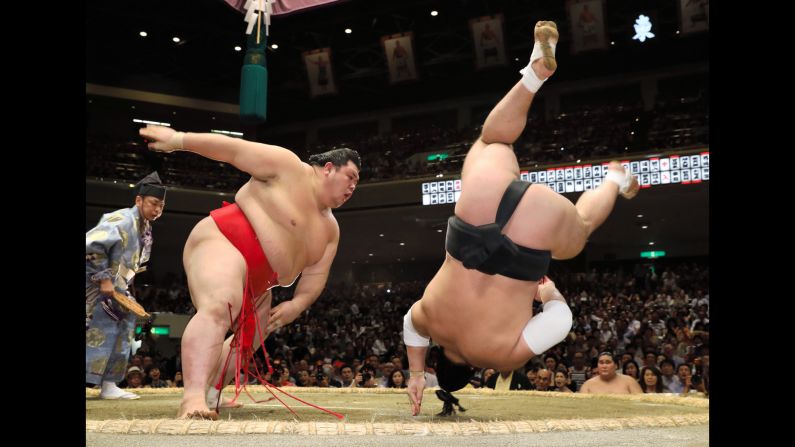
(390, 383)
(609, 354)
(624, 368)
(668, 361)
(658, 388)
(337, 157)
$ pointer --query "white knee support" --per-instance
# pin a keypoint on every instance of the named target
(410, 335)
(548, 328)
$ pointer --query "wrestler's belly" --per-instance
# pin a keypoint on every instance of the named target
(286, 256)
(478, 316)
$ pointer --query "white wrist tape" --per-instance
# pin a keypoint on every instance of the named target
(175, 141)
(622, 180)
(548, 328)
(410, 335)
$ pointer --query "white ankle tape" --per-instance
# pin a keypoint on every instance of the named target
(529, 78)
(538, 53)
(622, 180)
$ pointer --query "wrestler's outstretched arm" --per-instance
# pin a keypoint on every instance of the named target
(416, 349)
(416, 383)
(262, 161)
(313, 280)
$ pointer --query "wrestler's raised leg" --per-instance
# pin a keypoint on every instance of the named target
(492, 152)
(507, 119)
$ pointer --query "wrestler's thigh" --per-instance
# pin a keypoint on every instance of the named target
(216, 274)
(488, 170)
(546, 220)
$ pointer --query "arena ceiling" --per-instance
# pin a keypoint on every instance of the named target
(205, 65)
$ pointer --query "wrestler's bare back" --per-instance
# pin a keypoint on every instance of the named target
(290, 225)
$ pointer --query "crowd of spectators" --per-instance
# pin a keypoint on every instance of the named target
(654, 318)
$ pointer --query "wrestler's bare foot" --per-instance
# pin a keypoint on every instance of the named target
(545, 33)
(209, 415)
(193, 409)
(634, 186)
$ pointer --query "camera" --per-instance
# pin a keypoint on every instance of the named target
(696, 380)
(145, 329)
(366, 377)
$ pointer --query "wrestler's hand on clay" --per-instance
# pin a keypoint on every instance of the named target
(282, 315)
(415, 387)
(162, 139)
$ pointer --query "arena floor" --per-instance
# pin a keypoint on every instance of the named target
(382, 416)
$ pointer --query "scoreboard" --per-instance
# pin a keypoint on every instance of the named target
(651, 171)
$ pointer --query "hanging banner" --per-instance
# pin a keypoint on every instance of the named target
(399, 52)
(693, 16)
(488, 41)
(319, 73)
(587, 25)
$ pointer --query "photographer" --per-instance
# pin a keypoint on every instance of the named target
(321, 380)
(365, 378)
(693, 383)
